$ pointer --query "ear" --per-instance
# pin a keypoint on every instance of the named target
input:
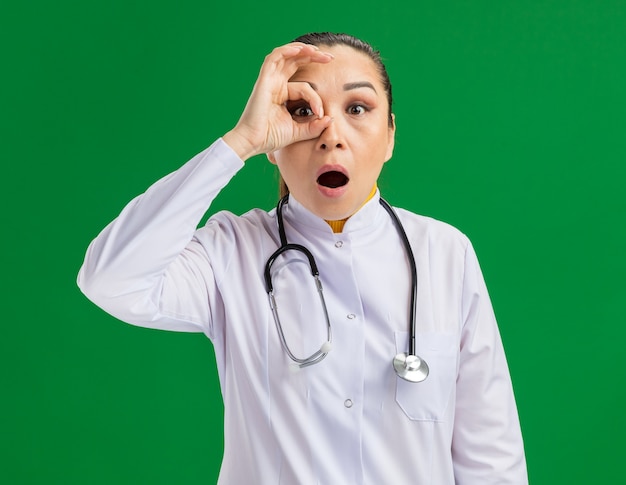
(271, 157)
(392, 137)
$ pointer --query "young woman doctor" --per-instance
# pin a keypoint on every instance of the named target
(321, 111)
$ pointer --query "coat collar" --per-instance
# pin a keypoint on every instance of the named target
(365, 219)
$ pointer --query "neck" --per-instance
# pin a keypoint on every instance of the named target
(337, 226)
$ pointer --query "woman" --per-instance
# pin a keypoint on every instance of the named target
(321, 111)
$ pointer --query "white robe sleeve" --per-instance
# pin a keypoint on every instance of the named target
(487, 446)
(145, 266)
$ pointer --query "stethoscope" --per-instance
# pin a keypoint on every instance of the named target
(408, 365)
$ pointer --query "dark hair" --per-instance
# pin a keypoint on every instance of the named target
(329, 39)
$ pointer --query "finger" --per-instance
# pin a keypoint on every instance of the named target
(300, 49)
(303, 91)
(313, 51)
(288, 50)
(307, 54)
(285, 60)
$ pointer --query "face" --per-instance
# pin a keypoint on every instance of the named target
(332, 175)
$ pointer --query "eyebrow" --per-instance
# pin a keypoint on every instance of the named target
(350, 86)
(357, 85)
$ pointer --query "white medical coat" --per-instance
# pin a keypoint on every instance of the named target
(348, 419)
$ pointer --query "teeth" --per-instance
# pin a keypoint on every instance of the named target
(332, 179)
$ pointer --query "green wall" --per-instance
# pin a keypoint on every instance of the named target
(511, 126)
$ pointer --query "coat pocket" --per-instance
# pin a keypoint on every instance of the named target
(428, 400)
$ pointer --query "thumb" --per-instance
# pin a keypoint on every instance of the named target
(313, 129)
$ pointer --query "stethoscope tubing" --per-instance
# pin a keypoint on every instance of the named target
(408, 365)
(413, 267)
(320, 354)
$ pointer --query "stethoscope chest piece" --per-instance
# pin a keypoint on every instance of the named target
(410, 367)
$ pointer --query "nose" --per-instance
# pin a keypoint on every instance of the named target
(331, 137)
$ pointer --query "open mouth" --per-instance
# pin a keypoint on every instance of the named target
(332, 179)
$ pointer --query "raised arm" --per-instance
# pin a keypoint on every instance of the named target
(145, 263)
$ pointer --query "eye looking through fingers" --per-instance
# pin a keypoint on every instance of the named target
(303, 103)
(300, 111)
